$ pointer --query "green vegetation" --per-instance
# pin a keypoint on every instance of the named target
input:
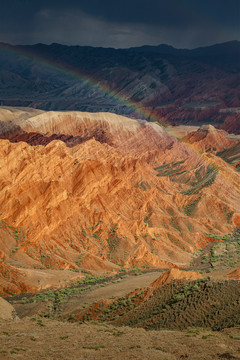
(175, 224)
(176, 305)
(116, 309)
(95, 235)
(76, 289)
(62, 295)
(229, 215)
(218, 237)
(203, 177)
(221, 254)
(143, 185)
(189, 207)
(202, 182)
(171, 169)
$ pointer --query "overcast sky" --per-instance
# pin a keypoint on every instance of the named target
(120, 23)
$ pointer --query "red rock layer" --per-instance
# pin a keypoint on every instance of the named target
(96, 206)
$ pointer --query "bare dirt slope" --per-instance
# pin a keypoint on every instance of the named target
(234, 274)
(7, 311)
(45, 339)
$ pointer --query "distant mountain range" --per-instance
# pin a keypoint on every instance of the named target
(152, 82)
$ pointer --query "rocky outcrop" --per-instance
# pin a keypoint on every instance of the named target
(231, 122)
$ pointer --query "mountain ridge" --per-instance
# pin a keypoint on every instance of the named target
(173, 89)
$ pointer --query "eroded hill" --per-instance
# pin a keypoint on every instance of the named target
(115, 192)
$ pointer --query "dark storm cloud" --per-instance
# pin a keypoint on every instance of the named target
(182, 23)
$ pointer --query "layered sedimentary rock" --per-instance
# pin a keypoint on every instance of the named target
(126, 194)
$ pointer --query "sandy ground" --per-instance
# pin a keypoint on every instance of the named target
(48, 339)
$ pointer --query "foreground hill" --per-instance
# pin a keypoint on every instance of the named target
(115, 192)
(36, 338)
(179, 305)
(174, 85)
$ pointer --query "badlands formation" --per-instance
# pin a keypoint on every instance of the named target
(208, 138)
(97, 192)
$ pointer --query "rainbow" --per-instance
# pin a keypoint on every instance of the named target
(65, 70)
(77, 75)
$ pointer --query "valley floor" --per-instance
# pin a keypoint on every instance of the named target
(111, 288)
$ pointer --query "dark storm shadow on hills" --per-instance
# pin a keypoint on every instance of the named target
(53, 77)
